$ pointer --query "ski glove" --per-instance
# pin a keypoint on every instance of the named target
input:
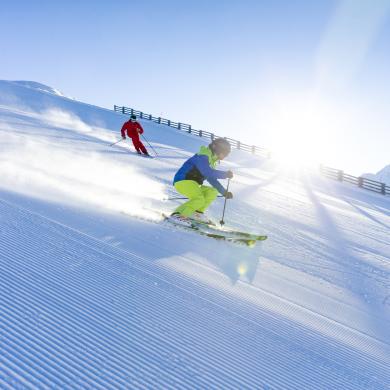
(123, 137)
(229, 174)
(228, 195)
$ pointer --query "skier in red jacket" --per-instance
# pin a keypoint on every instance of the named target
(134, 129)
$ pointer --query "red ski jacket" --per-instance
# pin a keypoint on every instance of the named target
(132, 128)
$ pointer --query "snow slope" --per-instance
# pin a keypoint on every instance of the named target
(38, 86)
(97, 293)
(382, 176)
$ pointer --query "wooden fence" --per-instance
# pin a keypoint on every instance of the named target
(189, 129)
(332, 173)
(361, 182)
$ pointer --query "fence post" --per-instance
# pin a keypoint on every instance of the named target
(131, 111)
(169, 122)
(189, 129)
(238, 145)
(123, 110)
(200, 133)
(253, 149)
(383, 189)
(360, 181)
(150, 117)
(141, 114)
(340, 175)
(159, 119)
(212, 136)
(179, 126)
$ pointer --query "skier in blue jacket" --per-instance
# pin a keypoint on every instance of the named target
(190, 177)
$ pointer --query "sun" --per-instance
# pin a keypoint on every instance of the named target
(301, 133)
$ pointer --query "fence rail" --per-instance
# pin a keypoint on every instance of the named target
(189, 129)
(362, 182)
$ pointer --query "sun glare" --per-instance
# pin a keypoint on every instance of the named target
(301, 134)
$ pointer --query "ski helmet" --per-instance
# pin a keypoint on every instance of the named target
(220, 146)
(133, 118)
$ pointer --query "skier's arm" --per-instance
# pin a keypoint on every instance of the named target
(217, 185)
(202, 163)
(140, 129)
(123, 130)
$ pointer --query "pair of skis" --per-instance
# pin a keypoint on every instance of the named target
(223, 234)
(132, 152)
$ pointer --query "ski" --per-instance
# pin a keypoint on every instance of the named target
(229, 236)
(213, 228)
(141, 154)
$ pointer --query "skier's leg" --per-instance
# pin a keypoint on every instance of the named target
(190, 189)
(139, 146)
(142, 147)
(136, 144)
(209, 195)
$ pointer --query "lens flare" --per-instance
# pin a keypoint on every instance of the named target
(242, 268)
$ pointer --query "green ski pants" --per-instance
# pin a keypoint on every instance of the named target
(199, 197)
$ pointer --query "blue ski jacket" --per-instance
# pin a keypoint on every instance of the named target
(201, 167)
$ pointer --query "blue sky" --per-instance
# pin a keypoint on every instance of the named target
(307, 79)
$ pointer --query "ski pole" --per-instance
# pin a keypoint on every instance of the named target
(116, 142)
(149, 144)
(182, 198)
(222, 222)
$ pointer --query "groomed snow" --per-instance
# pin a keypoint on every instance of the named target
(97, 293)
